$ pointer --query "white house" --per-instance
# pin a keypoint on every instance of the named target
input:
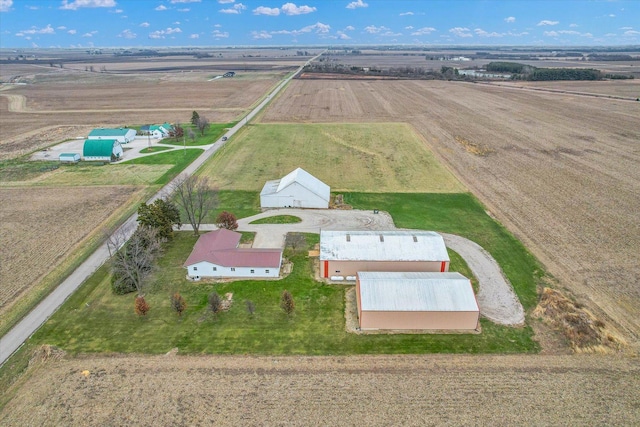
(216, 254)
(122, 135)
(298, 189)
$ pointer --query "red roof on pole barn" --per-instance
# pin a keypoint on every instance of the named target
(220, 247)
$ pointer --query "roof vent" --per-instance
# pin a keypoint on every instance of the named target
(381, 238)
(348, 237)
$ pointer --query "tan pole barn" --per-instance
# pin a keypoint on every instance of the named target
(416, 301)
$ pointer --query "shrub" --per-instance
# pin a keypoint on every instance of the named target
(286, 302)
(178, 303)
(141, 306)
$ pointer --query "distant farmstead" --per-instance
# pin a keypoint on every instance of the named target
(105, 150)
(122, 135)
(344, 253)
(418, 300)
(298, 189)
(216, 254)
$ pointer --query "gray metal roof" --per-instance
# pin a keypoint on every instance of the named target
(303, 178)
(397, 245)
(392, 291)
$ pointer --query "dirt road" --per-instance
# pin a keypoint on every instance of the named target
(333, 391)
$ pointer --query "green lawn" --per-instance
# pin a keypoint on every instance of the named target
(154, 149)
(180, 159)
(96, 320)
(211, 135)
(278, 219)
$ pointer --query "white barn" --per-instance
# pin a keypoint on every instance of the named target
(416, 301)
(216, 254)
(298, 189)
(122, 135)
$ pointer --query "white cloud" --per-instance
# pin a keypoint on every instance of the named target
(349, 28)
(90, 34)
(161, 7)
(186, 9)
(632, 33)
(423, 31)
(29, 7)
(194, 36)
(260, 35)
(573, 25)
(145, 24)
(270, 11)
(291, 9)
(118, 11)
(236, 9)
(611, 15)
(406, 14)
(220, 34)
(61, 28)
(318, 28)
(356, 4)
(342, 35)
(185, 1)
(72, 32)
(551, 33)
(510, 19)
(461, 32)
(5, 5)
(482, 33)
(626, 28)
(372, 29)
(547, 22)
(610, 35)
(160, 34)
(35, 30)
(217, 26)
(128, 34)
(76, 4)
(570, 32)
(409, 27)
(226, 1)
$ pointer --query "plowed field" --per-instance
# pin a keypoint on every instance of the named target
(40, 227)
(561, 171)
(376, 390)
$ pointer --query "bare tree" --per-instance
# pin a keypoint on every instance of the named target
(251, 307)
(196, 198)
(203, 125)
(192, 135)
(178, 303)
(215, 303)
(132, 262)
(286, 302)
(141, 306)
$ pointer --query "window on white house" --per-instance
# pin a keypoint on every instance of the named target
(253, 271)
(266, 271)
(195, 268)
(215, 268)
(233, 269)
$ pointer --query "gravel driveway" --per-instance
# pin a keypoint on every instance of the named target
(496, 298)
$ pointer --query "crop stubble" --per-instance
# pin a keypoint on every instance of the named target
(40, 227)
(561, 171)
(358, 390)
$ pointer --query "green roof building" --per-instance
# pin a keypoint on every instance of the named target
(122, 135)
(105, 150)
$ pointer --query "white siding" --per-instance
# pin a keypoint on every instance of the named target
(206, 269)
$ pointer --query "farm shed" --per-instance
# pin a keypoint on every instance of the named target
(216, 254)
(343, 253)
(105, 150)
(416, 300)
(298, 189)
(69, 158)
(122, 135)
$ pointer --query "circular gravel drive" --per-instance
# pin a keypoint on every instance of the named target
(496, 298)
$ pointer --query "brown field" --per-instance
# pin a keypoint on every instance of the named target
(374, 390)
(560, 171)
(41, 227)
(77, 99)
(620, 88)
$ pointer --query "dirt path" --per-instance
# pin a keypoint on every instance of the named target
(496, 298)
(356, 390)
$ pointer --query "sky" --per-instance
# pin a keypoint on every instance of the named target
(157, 23)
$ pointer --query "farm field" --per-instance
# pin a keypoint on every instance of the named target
(623, 88)
(355, 390)
(559, 171)
(40, 228)
(376, 157)
(79, 101)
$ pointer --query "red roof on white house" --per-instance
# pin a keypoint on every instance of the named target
(220, 247)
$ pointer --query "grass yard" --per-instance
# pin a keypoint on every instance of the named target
(154, 149)
(96, 320)
(279, 219)
(211, 135)
(180, 159)
(379, 157)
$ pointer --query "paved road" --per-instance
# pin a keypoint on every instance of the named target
(14, 339)
(496, 297)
